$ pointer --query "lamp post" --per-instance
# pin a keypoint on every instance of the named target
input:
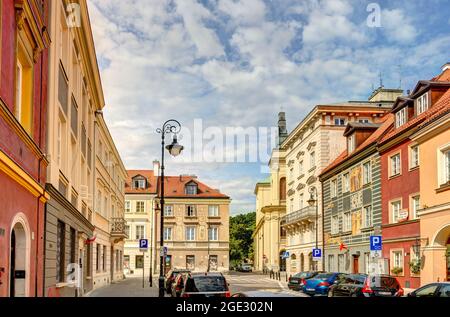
(313, 201)
(175, 149)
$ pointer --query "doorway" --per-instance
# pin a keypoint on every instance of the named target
(19, 262)
(355, 264)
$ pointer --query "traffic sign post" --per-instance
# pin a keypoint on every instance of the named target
(376, 243)
(317, 254)
(143, 246)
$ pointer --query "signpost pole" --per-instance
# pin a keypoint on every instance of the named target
(143, 270)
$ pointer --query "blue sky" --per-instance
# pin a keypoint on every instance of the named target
(238, 63)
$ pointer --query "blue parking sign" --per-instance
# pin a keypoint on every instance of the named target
(317, 254)
(376, 243)
(143, 244)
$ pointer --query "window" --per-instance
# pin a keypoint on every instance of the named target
(347, 222)
(168, 234)
(346, 183)
(213, 211)
(341, 266)
(168, 211)
(140, 232)
(364, 120)
(312, 159)
(367, 173)
(98, 257)
(335, 224)
(351, 143)
(333, 188)
(190, 262)
(62, 187)
(191, 211)
(191, 189)
(401, 117)
(395, 165)
(414, 157)
(415, 206)
(213, 234)
(140, 184)
(127, 206)
(301, 200)
(331, 263)
(444, 163)
(139, 261)
(397, 259)
(74, 117)
(339, 121)
(105, 254)
(367, 214)
(60, 251)
(127, 231)
(422, 103)
(395, 211)
(300, 168)
(23, 110)
(190, 233)
(140, 207)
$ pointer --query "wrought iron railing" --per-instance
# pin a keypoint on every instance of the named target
(118, 226)
(298, 215)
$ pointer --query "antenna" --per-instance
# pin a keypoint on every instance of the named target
(400, 76)
(381, 80)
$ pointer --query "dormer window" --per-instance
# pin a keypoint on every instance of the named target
(139, 183)
(401, 117)
(351, 143)
(422, 103)
(191, 189)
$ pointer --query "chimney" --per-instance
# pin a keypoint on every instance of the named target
(282, 129)
(156, 168)
(445, 66)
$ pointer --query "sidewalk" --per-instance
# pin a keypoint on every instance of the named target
(130, 287)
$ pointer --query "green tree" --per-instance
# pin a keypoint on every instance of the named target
(241, 242)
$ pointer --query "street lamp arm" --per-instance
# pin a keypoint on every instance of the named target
(170, 126)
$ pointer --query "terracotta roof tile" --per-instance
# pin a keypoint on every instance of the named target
(174, 187)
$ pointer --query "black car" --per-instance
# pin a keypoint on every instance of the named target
(297, 281)
(432, 290)
(363, 285)
(170, 278)
(205, 285)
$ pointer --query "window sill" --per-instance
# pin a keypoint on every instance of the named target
(394, 176)
(443, 188)
(366, 229)
(413, 168)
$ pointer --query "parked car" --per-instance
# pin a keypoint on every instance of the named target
(432, 290)
(178, 284)
(363, 285)
(170, 278)
(245, 267)
(205, 285)
(264, 294)
(297, 281)
(320, 284)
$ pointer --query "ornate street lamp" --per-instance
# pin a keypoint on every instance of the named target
(312, 201)
(169, 127)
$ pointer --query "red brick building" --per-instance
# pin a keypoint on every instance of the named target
(400, 182)
(23, 87)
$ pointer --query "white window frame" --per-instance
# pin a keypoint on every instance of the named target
(367, 221)
(422, 104)
(395, 167)
(191, 233)
(333, 188)
(414, 206)
(394, 213)
(364, 120)
(414, 156)
(444, 165)
(347, 221)
(213, 234)
(397, 258)
(194, 207)
(346, 182)
(168, 211)
(168, 233)
(401, 117)
(337, 122)
(335, 224)
(127, 206)
(213, 211)
(367, 173)
(136, 231)
(138, 202)
(312, 159)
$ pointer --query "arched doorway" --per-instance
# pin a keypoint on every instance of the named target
(19, 257)
(442, 241)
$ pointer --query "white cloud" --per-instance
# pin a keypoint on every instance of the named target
(397, 26)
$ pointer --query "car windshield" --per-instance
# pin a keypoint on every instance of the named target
(300, 275)
(206, 284)
(324, 276)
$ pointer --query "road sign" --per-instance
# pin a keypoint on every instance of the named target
(376, 243)
(286, 255)
(376, 254)
(317, 254)
(143, 245)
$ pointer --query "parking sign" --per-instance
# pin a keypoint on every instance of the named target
(376, 243)
(317, 254)
(143, 245)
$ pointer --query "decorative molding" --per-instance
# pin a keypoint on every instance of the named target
(311, 145)
(299, 154)
(291, 192)
(301, 186)
(311, 180)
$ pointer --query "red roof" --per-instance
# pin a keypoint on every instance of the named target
(441, 108)
(174, 187)
(151, 182)
(387, 122)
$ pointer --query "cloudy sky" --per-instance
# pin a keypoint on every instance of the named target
(236, 63)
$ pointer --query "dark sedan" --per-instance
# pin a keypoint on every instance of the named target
(363, 285)
(297, 281)
(432, 290)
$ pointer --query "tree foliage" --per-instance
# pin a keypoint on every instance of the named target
(241, 242)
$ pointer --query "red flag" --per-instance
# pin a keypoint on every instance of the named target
(342, 247)
(91, 240)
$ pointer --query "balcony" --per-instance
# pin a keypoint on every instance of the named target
(118, 229)
(307, 214)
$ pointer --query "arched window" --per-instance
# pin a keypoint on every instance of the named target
(283, 188)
